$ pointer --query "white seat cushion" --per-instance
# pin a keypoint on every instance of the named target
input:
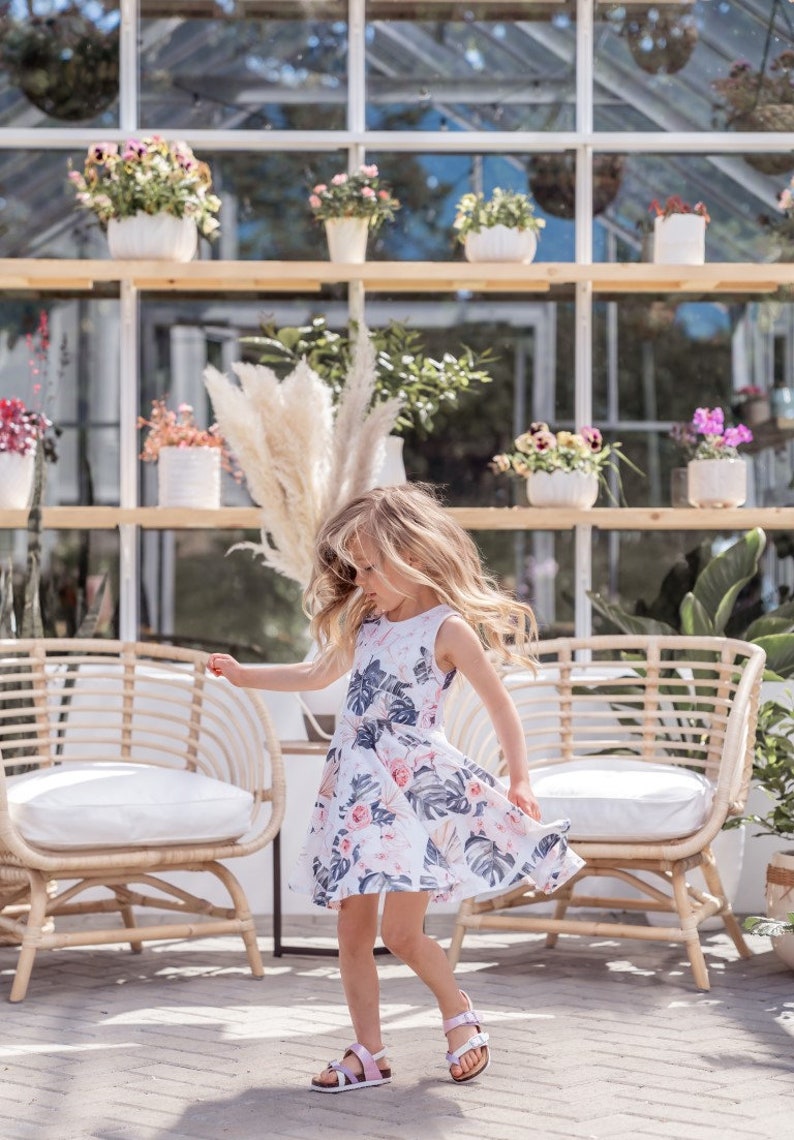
(123, 805)
(622, 799)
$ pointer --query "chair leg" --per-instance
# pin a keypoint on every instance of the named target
(560, 910)
(714, 883)
(128, 915)
(690, 931)
(31, 940)
(243, 914)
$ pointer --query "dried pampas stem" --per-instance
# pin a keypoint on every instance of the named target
(302, 458)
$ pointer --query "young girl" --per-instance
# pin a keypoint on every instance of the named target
(399, 597)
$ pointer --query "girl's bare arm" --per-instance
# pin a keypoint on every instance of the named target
(302, 676)
(458, 646)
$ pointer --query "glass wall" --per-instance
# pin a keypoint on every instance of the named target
(694, 100)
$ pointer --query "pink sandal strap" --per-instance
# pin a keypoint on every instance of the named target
(368, 1062)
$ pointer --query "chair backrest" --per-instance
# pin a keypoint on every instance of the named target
(664, 700)
(70, 701)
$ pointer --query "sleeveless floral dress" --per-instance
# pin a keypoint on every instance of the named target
(400, 809)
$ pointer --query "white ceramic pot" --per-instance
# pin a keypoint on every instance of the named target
(500, 243)
(679, 240)
(780, 900)
(717, 482)
(16, 480)
(577, 489)
(392, 470)
(189, 477)
(152, 237)
(347, 239)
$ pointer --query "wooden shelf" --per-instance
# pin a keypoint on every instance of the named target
(390, 276)
(471, 518)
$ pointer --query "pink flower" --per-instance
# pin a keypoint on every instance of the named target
(709, 421)
(339, 179)
(314, 202)
(358, 817)
(370, 171)
(401, 775)
(318, 189)
(474, 790)
(592, 437)
(367, 192)
(345, 845)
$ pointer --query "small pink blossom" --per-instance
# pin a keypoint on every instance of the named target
(401, 775)
(370, 171)
(367, 192)
(358, 817)
(314, 201)
(339, 179)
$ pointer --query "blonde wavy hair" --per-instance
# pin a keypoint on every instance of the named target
(402, 522)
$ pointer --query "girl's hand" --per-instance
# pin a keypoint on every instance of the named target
(224, 665)
(520, 794)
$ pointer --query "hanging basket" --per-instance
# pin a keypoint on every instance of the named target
(67, 67)
(767, 117)
(661, 42)
(552, 181)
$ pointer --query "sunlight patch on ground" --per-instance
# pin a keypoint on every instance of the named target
(29, 1050)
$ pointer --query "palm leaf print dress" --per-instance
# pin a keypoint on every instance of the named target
(399, 808)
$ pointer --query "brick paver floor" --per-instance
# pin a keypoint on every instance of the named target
(598, 1038)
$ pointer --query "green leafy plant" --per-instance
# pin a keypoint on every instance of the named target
(504, 208)
(773, 769)
(403, 369)
(772, 927)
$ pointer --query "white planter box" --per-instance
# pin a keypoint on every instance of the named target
(679, 240)
(152, 237)
(189, 477)
(501, 243)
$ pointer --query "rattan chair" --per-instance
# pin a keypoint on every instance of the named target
(121, 764)
(646, 744)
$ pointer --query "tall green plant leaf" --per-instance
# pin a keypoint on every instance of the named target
(779, 649)
(627, 623)
(695, 619)
(720, 582)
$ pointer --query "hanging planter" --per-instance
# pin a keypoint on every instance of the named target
(64, 64)
(661, 41)
(761, 100)
(552, 181)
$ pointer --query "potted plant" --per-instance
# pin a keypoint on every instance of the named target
(660, 40)
(760, 100)
(503, 227)
(561, 469)
(64, 62)
(716, 473)
(781, 229)
(21, 430)
(153, 197)
(189, 458)
(773, 773)
(352, 205)
(679, 231)
(751, 404)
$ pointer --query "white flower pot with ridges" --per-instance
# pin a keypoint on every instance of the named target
(679, 240)
(717, 482)
(780, 900)
(576, 489)
(347, 239)
(392, 469)
(16, 480)
(189, 477)
(501, 243)
(152, 237)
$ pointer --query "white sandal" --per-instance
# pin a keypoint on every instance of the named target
(347, 1080)
(478, 1040)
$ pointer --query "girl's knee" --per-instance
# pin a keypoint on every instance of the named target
(401, 941)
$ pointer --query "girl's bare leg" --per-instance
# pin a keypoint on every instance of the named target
(357, 927)
(402, 931)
